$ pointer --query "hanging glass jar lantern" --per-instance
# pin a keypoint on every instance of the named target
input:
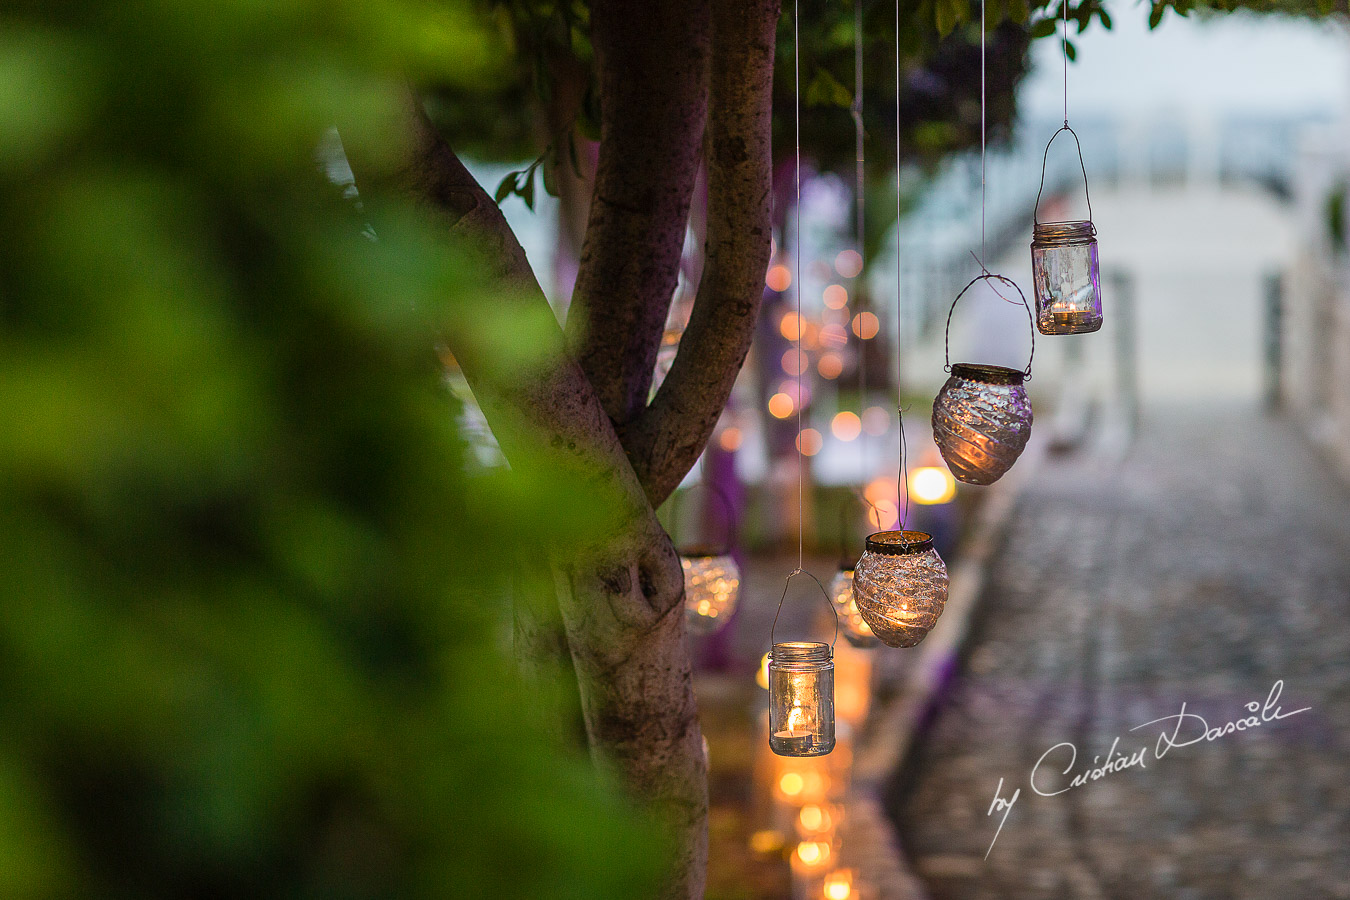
(982, 415)
(856, 630)
(712, 583)
(801, 698)
(712, 578)
(1065, 271)
(900, 586)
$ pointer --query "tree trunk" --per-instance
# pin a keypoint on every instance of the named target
(622, 603)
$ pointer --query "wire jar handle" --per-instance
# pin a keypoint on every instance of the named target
(947, 332)
(730, 510)
(1035, 210)
(824, 593)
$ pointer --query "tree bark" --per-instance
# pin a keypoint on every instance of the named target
(622, 608)
(667, 438)
(652, 62)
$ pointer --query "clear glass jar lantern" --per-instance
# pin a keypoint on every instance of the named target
(712, 583)
(1066, 277)
(982, 421)
(1065, 273)
(856, 630)
(900, 585)
(801, 698)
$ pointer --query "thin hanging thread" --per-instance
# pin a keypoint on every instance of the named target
(859, 284)
(801, 359)
(1065, 50)
(801, 471)
(902, 477)
(983, 253)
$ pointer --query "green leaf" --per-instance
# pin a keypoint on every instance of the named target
(1105, 17)
(506, 188)
(946, 14)
(1043, 28)
(527, 190)
(1155, 17)
(1070, 51)
(825, 90)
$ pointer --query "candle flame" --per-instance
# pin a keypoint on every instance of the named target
(795, 717)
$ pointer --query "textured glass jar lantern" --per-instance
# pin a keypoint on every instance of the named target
(1065, 274)
(801, 698)
(982, 416)
(1066, 278)
(900, 586)
(981, 421)
(856, 631)
(712, 582)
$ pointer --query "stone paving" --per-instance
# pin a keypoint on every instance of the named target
(1201, 567)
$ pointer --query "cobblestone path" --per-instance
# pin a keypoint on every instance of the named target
(1209, 563)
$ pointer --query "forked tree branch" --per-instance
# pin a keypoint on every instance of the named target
(652, 63)
(665, 440)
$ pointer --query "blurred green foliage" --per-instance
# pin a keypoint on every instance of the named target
(254, 591)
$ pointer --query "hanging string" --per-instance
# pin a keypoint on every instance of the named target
(801, 359)
(1065, 50)
(983, 253)
(902, 476)
(860, 223)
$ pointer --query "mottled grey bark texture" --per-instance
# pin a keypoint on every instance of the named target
(663, 69)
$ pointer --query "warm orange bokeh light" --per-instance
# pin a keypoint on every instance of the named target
(791, 784)
(794, 362)
(848, 263)
(766, 841)
(884, 503)
(846, 426)
(930, 485)
(876, 420)
(809, 442)
(839, 885)
(831, 365)
(833, 336)
(790, 326)
(813, 853)
(781, 405)
(779, 278)
(730, 439)
(866, 325)
(836, 296)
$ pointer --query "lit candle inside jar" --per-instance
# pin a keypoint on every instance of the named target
(795, 737)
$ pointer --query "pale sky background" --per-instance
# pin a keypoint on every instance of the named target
(1219, 64)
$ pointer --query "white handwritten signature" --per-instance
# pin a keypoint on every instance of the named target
(1189, 728)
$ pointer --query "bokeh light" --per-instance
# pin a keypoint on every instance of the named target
(866, 325)
(779, 278)
(931, 485)
(836, 296)
(876, 420)
(830, 366)
(781, 405)
(790, 326)
(810, 441)
(833, 336)
(846, 426)
(848, 263)
(730, 439)
(794, 362)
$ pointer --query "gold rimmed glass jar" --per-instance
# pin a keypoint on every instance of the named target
(982, 421)
(900, 586)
